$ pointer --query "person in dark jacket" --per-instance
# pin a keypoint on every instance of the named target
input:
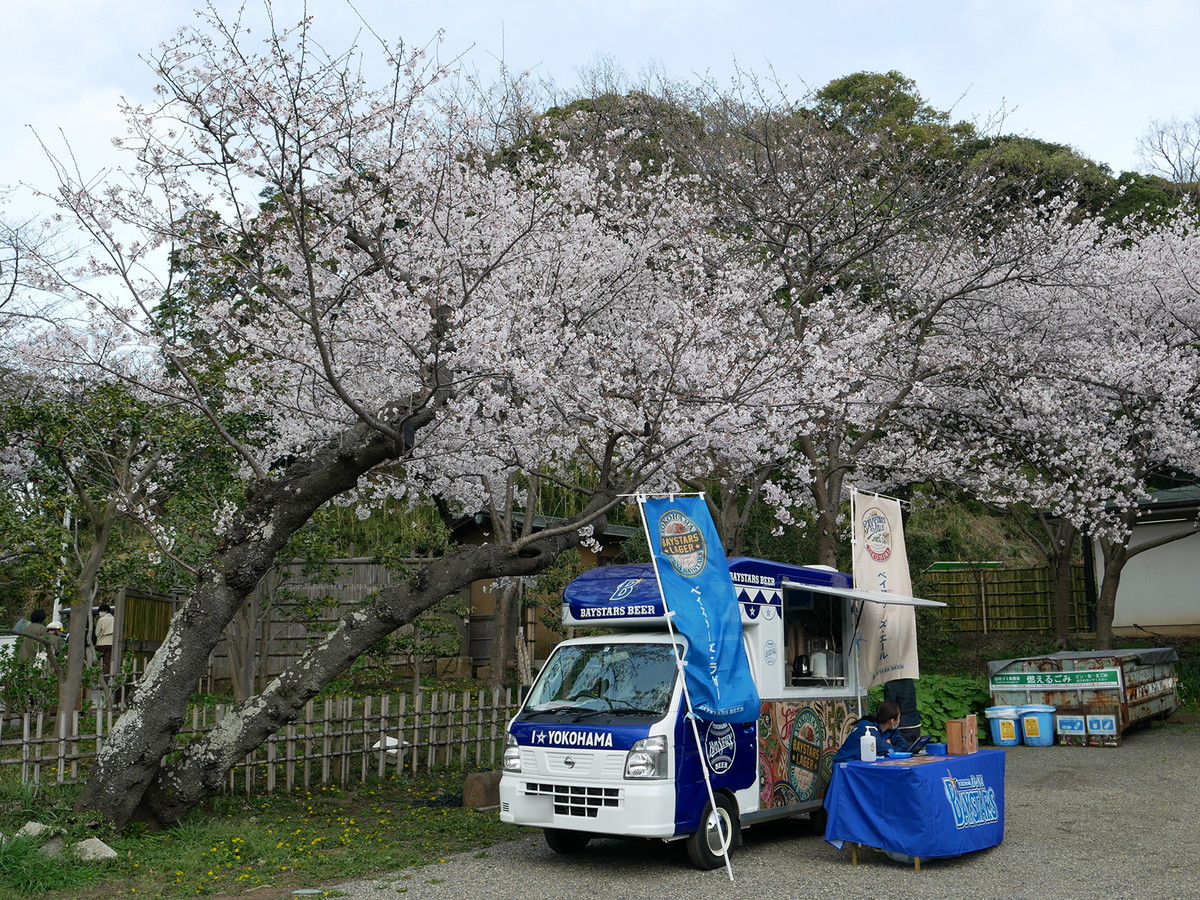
(884, 724)
(903, 692)
(36, 628)
(54, 634)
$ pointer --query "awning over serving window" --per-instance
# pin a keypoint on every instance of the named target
(883, 597)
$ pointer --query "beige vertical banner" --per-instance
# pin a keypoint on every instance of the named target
(886, 637)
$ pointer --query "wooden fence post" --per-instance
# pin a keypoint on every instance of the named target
(418, 697)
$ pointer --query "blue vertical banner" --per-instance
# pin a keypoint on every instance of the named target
(694, 578)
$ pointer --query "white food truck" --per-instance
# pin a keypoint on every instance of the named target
(602, 745)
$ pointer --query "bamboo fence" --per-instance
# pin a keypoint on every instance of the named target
(1004, 600)
(339, 740)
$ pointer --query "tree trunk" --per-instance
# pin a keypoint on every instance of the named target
(1056, 540)
(1060, 571)
(1115, 557)
(722, 503)
(130, 757)
(507, 602)
(81, 626)
(72, 681)
(204, 765)
(505, 639)
(731, 507)
(827, 492)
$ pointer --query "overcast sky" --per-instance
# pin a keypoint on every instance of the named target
(1089, 73)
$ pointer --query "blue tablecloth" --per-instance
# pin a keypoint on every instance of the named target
(924, 806)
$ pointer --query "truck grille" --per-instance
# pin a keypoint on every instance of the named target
(573, 800)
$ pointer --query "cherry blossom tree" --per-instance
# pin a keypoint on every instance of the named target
(376, 294)
(389, 309)
(1072, 398)
(877, 241)
(77, 452)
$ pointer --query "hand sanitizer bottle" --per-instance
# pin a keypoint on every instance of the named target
(866, 746)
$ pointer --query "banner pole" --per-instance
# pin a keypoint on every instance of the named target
(857, 607)
(680, 662)
(897, 500)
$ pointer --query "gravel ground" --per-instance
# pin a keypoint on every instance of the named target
(1109, 823)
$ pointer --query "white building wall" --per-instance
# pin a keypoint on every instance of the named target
(1159, 588)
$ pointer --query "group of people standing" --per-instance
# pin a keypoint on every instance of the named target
(36, 627)
(50, 638)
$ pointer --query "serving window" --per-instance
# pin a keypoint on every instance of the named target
(814, 638)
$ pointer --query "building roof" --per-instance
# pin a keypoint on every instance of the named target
(1170, 503)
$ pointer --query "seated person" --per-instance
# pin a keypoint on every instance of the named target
(884, 724)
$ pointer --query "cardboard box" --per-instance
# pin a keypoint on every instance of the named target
(962, 736)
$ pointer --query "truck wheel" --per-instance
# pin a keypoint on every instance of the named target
(705, 845)
(562, 841)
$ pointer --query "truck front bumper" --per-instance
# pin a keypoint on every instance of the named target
(629, 808)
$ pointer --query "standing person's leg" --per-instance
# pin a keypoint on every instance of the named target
(903, 692)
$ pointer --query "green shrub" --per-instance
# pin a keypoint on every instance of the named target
(1189, 685)
(26, 685)
(942, 697)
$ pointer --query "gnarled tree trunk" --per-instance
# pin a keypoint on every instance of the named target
(129, 760)
(203, 768)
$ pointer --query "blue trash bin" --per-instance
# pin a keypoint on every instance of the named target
(1002, 720)
(1037, 725)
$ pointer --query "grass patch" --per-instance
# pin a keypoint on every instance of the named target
(235, 844)
(26, 872)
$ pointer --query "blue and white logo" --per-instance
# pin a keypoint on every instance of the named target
(625, 588)
(971, 800)
(720, 747)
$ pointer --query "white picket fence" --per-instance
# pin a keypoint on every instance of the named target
(339, 740)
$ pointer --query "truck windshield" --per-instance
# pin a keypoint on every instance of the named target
(588, 680)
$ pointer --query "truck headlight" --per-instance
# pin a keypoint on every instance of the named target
(512, 754)
(647, 758)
